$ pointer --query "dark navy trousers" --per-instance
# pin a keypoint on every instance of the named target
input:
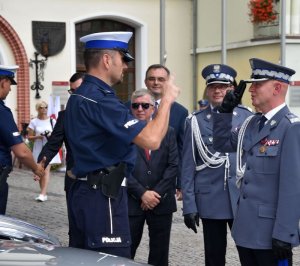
(97, 223)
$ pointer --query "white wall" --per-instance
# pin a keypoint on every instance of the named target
(143, 14)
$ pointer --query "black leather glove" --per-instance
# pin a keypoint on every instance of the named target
(232, 98)
(191, 220)
(282, 250)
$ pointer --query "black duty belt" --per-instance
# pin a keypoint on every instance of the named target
(109, 180)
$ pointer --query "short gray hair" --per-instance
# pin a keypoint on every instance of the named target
(142, 92)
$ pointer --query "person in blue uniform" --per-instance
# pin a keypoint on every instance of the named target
(266, 224)
(151, 187)
(10, 138)
(208, 176)
(57, 138)
(102, 133)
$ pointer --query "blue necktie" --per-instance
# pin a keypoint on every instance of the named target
(262, 121)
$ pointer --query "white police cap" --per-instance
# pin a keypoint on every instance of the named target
(9, 72)
(263, 70)
(115, 40)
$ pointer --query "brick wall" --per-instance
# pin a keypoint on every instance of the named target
(23, 90)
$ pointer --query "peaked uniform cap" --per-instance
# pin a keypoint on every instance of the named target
(264, 70)
(9, 72)
(218, 73)
(115, 40)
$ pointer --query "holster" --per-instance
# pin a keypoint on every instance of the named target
(4, 172)
(109, 180)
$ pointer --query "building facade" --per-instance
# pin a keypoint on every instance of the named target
(191, 31)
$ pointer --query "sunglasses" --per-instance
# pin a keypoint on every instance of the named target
(145, 106)
(43, 107)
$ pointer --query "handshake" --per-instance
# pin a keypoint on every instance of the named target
(46, 134)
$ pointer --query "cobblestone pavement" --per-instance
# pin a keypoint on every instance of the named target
(186, 247)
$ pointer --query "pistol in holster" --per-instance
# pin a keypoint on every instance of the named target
(109, 180)
(4, 172)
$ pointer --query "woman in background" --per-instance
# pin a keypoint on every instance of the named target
(39, 130)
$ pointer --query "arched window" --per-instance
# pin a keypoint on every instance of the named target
(125, 89)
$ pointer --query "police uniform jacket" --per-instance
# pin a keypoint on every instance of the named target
(99, 141)
(158, 174)
(268, 205)
(204, 190)
(9, 135)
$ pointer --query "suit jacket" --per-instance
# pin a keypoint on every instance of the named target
(55, 142)
(178, 114)
(204, 191)
(158, 174)
(270, 190)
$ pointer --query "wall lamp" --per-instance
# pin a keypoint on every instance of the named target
(40, 65)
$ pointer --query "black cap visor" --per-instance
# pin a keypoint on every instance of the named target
(256, 78)
(13, 82)
(126, 56)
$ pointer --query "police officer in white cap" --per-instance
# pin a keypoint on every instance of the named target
(10, 138)
(103, 145)
(266, 224)
(208, 176)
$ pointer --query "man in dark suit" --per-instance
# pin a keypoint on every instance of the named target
(156, 76)
(151, 188)
(57, 138)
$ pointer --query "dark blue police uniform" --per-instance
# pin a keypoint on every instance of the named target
(9, 136)
(100, 132)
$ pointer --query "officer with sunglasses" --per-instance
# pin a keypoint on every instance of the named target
(10, 138)
(102, 133)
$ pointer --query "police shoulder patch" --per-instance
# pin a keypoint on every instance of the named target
(131, 123)
(292, 118)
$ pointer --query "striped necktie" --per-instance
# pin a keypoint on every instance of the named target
(147, 154)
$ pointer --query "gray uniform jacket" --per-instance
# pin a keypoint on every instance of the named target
(269, 203)
(203, 191)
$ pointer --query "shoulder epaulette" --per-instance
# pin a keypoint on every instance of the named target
(190, 116)
(194, 113)
(105, 91)
(292, 118)
(245, 107)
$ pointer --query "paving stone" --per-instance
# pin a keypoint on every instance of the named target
(186, 247)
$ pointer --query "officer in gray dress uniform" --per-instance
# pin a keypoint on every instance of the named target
(208, 176)
(266, 224)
